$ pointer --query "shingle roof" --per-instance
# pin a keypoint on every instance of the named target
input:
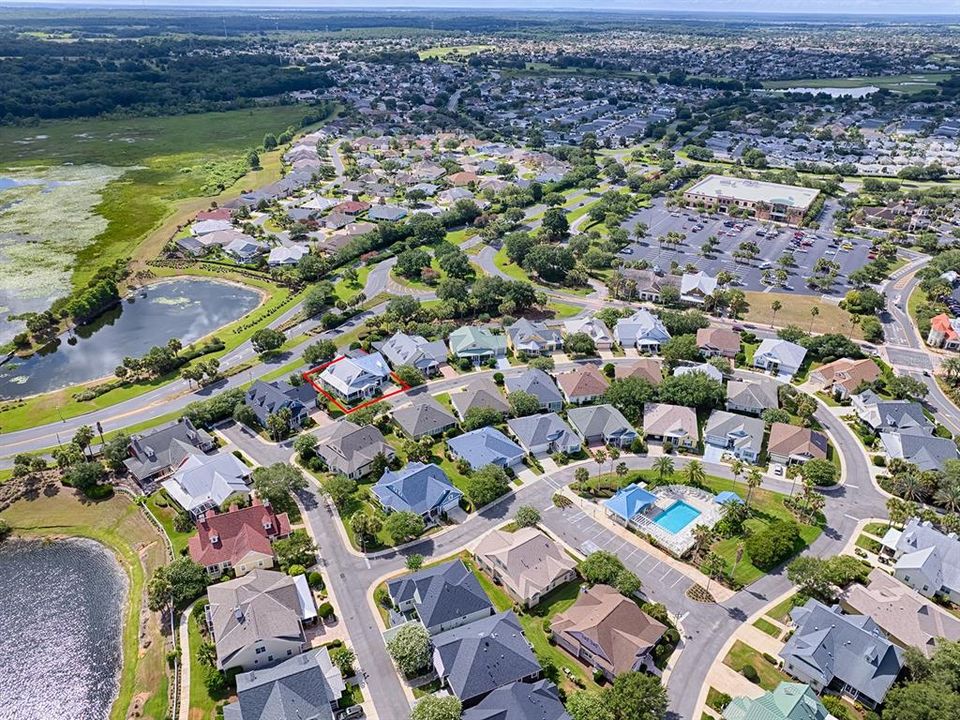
(207, 480)
(441, 593)
(485, 446)
(481, 392)
(524, 332)
(534, 430)
(744, 431)
(784, 352)
(595, 420)
(663, 419)
(423, 417)
(164, 447)
(650, 369)
(484, 655)
(527, 559)
(520, 701)
(759, 393)
(470, 340)
(886, 415)
(795, 440)
(920, 535)
(237, 532)
(927, 452)
(351, 446)
(416, 488)
(718, 339)
(583, 381)
(537, 383)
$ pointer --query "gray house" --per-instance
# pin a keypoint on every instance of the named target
(476, 659)
(779, 357)
(443, 597)
(481, 393)
(486, 446)
(424, 417)
(309, 685)
(927, 559)
(266, 399)
(927, 452)
(601, 423)
(846, 653)
(541, 434)
(350, 449)
(752, 396)
(739, 435)
(533, 338)
(158, 451)
(519, 701)
(416, 350)
(418, 488)
(890, 415)
(537, 383)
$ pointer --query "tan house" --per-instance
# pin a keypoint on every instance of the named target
(649, 369)
(842, 377)
(714, 341)
(527, 563)
(790, 444)
(584, 384)
(671, 423)
(908, 619)
(609, 632)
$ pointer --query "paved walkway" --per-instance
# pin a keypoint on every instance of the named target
(183, 635)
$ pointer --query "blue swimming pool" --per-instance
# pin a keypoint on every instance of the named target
(676, 517)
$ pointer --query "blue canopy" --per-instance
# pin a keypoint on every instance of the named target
(630, 501)
(728, 496)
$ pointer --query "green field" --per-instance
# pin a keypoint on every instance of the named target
(453, 52)
(896, 83)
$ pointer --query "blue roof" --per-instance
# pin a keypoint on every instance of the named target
(486, 446)
(728, 496)
(417, 487)
(630, 501)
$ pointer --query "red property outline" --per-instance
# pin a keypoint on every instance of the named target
(340, 406)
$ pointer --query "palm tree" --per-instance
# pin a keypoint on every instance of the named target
(776, 306)
(702, 538)
(898, 510)
(951, 368)
(910, 486)
(613, 454)
(949, 497)
(814, 311)
(664, 467)
(754, 478)
(695, 474)
(621, 470)
(713, 567)
(600, 457)
(581, 475)
(736, 467)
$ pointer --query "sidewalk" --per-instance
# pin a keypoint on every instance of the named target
(183, 638)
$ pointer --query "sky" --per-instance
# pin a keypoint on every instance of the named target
(845, 7)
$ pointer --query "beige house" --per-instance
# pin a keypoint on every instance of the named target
(715, 341)
(649, 369)
(527, 563)
(790, 444)
(675, 424)
(609, 632)
(843, 377)
(584, 384)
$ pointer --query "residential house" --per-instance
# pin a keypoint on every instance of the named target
(424, 418)
(424, 490)
(752, 396)
(645, 285)
(897, 416)
(697, 287)
(414, 350)
(205, 227)
(386, 213)
(602, 424)
(780, 357)
(671, 423)
(476, 659)
(351, 207)
(649, 369)
(305, 686)
(703, 368)
(903, 614)
(533, 338)
(846, 653)
(927, 559)
(526, 563)
(718, 342)
(336, 220)
(739, 435)
(609, 632)
(481, 392)
(157, 452)
(944, 332)
(592, 327)
(792, 444)
(282, 255)
(538, 700)
(356, 377)
(927, 452)
(201, 482)
(544, 434)
(258, 620)
(628, 503)
(537, 383)
(583, 384)
(842, 378)
(351, 449)
(643, 330)
(269, 398)
(239, 539)
(486, 446)
(788, 701)
(244, 250)
(443, 597)
(476, 344)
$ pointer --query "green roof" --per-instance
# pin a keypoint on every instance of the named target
(790, 701)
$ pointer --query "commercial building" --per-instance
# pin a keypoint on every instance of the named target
(764, 200)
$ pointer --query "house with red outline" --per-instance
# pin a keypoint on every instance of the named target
(356, 377)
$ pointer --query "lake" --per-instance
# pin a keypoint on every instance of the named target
(854, 92)
(186, 309)
(60, 629)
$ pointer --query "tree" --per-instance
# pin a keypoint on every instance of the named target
(694, 473)
(486, 485)
(554, 224)
(339, 488)
(523, 403)
(343, 658)
(811, 576)
(410, 649)
(714, 567)
(269, 141)
(115, 451)
(775, 306)
(526, 516)
(267, 340)
(629, 395)
(580, 344)
(664, 467)
(278, 423)
(414, 562)
(680, 348)
(436, 707)
(297, 549)
(703, 537)
(84, 476)
(637, 696)
(176, 584)
(403, 526)
(581, 475)
(478, 417)
(366, 527)
(696, 389)
(904, 387)
(600, 568)
(83, 436)
(306, 446)
(814, 312)
(754, 478)
(627, 583)
(410, 376)
(773, 544)
(588, 705)
(276, 483)
(410, 263)
(820, 472)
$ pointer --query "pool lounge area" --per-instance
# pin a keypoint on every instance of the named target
(667, 514)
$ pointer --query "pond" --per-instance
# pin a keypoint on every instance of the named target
(186, 309)
(60, 629)
(854, 92)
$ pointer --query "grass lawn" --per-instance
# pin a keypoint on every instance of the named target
(741, 655)
(714, 700)
(346, 291)
(453, 52)
(514, 271)
(868, 544)
(352, 695)
(767, 627)
(796, 311)
(896, 83)
(876, 528)
(781, 611)
(562, 310)
(202, 706)
(120, 525)
(166, 511)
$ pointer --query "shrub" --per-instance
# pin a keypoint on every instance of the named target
(315, 580)
(382, 597)
(770, 658)
(750, 673)
(294, 570)
(835, 707)
(879, 461)
(325, 611)
(773, 544)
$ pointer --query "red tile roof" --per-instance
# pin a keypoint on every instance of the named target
(351, 207)
(237, 532)
(941, 323)
(218, 214)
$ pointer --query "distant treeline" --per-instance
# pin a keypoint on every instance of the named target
(39, 80)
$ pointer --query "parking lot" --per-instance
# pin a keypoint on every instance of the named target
(774, 242)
